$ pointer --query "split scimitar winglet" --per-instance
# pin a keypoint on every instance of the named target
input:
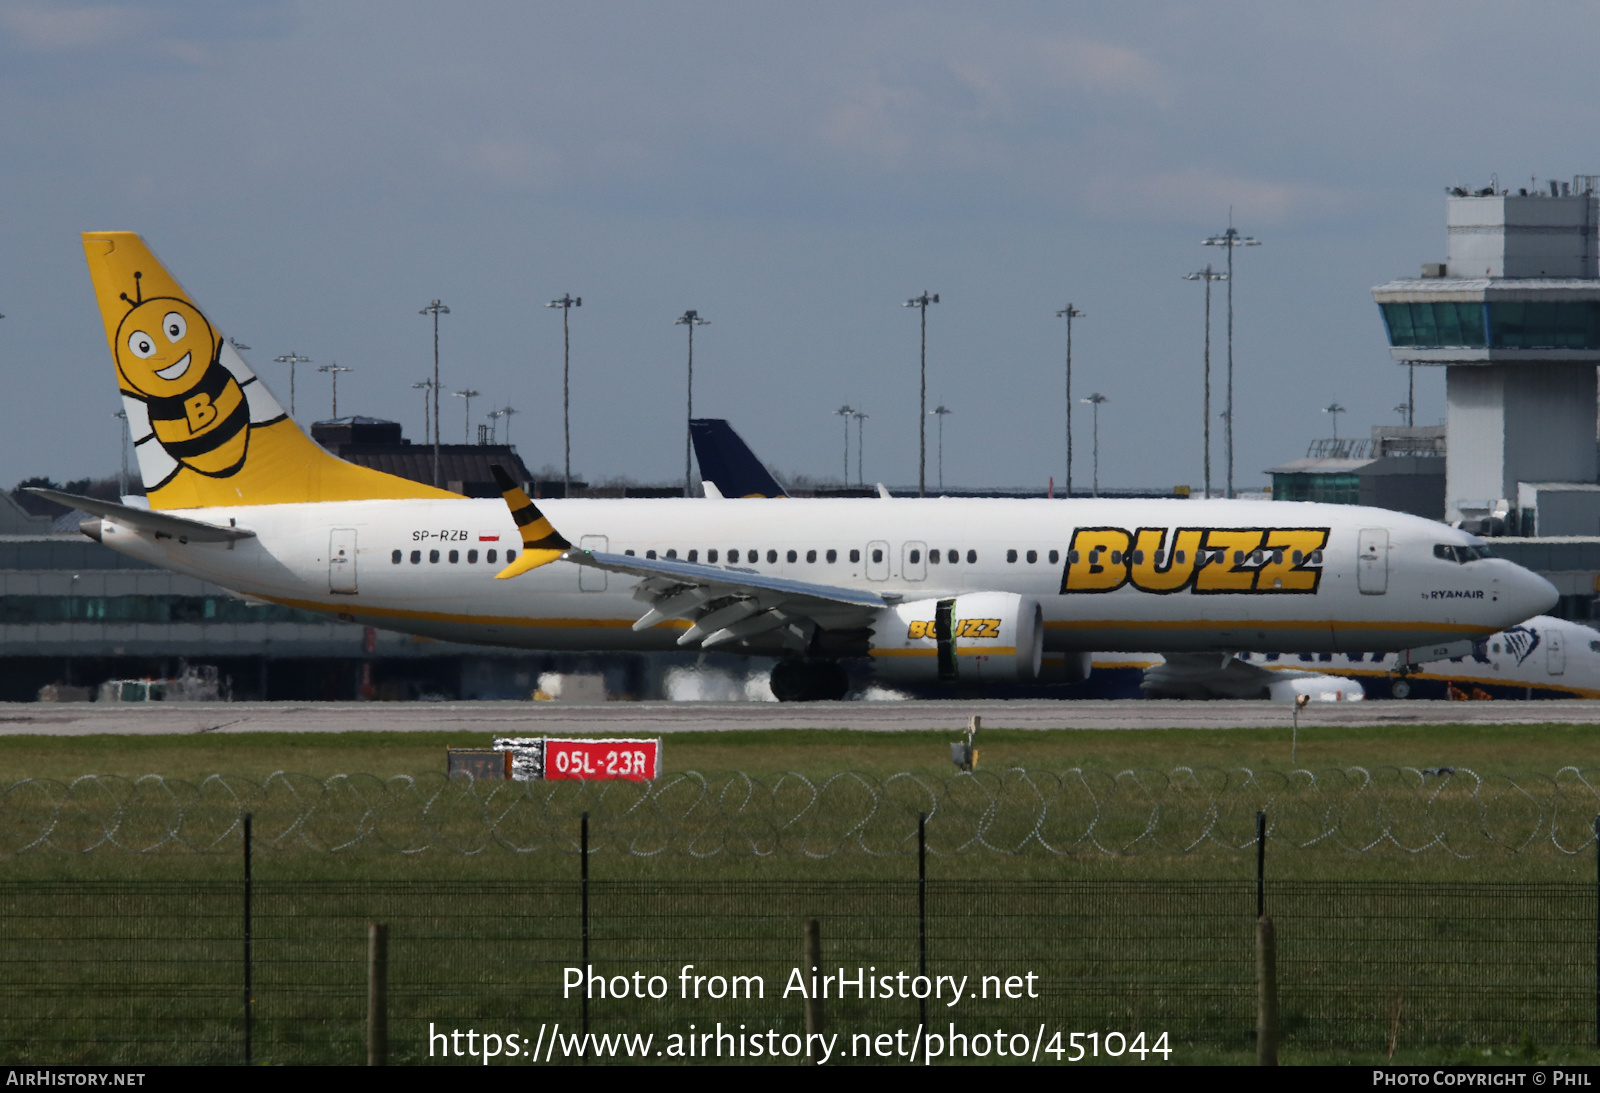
(541, 543)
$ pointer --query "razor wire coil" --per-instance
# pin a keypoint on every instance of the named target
(1184, 811)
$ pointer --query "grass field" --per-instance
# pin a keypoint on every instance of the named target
(1452, 957)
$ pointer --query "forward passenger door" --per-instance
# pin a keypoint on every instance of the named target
(1372, 561)
(342, 561)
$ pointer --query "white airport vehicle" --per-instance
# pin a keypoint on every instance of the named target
(1544, 657)
(957, 590)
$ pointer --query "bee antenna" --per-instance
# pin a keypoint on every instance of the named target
(137, 291)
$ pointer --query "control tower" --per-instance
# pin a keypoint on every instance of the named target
(1513, 316)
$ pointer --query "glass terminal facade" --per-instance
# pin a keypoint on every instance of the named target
(1333, 489)
(1498, 324)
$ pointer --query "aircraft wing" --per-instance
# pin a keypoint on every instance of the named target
(727, 604)
(158, 523)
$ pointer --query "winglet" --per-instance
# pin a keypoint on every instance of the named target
(541, 543)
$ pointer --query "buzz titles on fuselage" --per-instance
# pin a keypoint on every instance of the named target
(169, 357)
(1203, 561)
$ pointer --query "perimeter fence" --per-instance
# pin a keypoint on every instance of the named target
(1185, 811)
(142, 973)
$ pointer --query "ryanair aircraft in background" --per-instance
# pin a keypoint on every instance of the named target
(954, 590)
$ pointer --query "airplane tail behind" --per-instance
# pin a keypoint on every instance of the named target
(727, 461)
(206, 430)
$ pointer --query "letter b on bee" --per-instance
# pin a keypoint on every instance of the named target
(199, 411)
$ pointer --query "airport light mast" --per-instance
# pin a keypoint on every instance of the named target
(425, 386)
(940, 411)
(861, 417)
(691, 319)
(921, 304)
(1333, 410)
(435, 308)
(466, 421)
(333, 370)
(1230, 239)
(291, 359)
(1095, 400)
(566, 304)
(507, 412)
(845, 411)
(1068, 313)
(122, 476)
(1207, 275)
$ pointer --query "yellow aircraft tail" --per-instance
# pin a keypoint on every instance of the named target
(206, 429)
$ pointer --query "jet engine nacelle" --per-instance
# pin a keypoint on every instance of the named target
(981, 637)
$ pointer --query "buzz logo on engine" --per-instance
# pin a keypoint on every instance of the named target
(960, 628)
(1202, 561)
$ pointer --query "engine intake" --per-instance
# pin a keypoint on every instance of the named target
(984, 637)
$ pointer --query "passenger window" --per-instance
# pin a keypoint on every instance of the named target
(472, 557)
(694, 555)
(491, 556)
(855, 555)
(1255, 557)
(433, 556)
(772, 556)
(1033, 556)
(1011, 555)
(455, 556)
(395, 557)
(972, 557)
(935, 557)
(649, 554)
(629, 553)
(711, 556)
(416, 556)
(792, 556)
(1238, 557)
(673, 553)
(916, 557)
(1116, 557)
(733, 557)
(832, 556)
(1316, 557)
(1277, 557)
(811, 556)
(1138, 557)
(1298, 557)
(1496, 646)
(1180, 556)
(511, 556)
(1055, 556)
(1072, 556)
(877, 555)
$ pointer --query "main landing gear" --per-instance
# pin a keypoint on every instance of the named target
(799, 680)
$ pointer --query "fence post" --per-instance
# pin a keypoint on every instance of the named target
(812, 946)
(377, 994)
(1266, 959)
(249, 999)
(922, 909)
(583, 854)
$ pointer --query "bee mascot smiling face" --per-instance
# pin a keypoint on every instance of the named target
(167, 356)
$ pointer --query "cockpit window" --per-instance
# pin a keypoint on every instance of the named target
(1461, 554)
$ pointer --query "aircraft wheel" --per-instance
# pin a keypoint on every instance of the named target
(830, 680)
(1400, 688)
(791, 681)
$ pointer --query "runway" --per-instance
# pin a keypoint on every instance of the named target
(658, 718)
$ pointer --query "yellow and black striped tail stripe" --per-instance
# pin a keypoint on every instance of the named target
(541, 543)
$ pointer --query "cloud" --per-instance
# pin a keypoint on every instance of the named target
(54, 28)
(1202, 194)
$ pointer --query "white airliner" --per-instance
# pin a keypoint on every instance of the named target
(1543, 657)
(958, 590)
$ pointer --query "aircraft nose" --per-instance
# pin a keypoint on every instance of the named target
(1524, 593)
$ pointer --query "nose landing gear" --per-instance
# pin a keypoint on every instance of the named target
(799, 680)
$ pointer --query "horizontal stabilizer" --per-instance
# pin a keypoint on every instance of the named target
(157, 523)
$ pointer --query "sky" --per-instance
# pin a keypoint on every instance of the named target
(314, 174)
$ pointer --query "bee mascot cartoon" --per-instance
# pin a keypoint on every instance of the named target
(169, 357)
